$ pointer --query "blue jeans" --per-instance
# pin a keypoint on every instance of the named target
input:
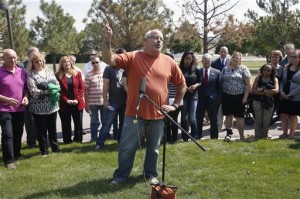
(95, 123)
(130, 141)
(188, 111)
(110, 117)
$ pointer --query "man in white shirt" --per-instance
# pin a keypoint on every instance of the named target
(88, 66)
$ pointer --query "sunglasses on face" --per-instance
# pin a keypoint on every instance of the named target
(95, 62)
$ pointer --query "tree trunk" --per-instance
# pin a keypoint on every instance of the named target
(54, 62)
(205, 32)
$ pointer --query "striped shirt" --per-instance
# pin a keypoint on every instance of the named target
(93, 83)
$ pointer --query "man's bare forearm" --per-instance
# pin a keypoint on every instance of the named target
(180, 91)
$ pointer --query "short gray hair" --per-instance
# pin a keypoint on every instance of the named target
(290, 45)
(148, 34)
(206, 56)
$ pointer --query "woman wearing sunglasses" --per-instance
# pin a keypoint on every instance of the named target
(264, 88)
(289, 92)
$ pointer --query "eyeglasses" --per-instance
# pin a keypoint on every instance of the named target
(268, 70)
(96, 62)
(156, 37)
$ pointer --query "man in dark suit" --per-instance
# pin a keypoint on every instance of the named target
(219, 64)
(223, 60)
(29, 121)
(208, 97)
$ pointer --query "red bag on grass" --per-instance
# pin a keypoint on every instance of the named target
(162, 191)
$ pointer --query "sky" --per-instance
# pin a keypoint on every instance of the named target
(79, 8)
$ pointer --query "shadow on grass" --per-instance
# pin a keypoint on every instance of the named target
(295, 146)
(88, 147)
(90, 188)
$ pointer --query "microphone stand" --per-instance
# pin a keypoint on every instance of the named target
(164, 137)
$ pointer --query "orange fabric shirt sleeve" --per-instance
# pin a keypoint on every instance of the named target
(159, 71)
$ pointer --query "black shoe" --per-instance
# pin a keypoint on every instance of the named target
(228, 135)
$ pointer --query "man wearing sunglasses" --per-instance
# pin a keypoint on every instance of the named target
(158, 69)
(93, 95)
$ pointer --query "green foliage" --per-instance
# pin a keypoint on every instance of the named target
(91, 37)
(130, 19)
(20, 33)
(262, 169)
(55, 32)
(236, 36)
(185, 38)
(280, 26)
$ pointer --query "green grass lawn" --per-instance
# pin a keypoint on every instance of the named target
(262, 169)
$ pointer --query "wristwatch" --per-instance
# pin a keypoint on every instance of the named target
(175, 106)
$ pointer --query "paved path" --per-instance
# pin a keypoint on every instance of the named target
(274, 132)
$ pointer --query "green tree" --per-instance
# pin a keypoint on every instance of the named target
(20, 33)
(92, 37)
(185, 38)
(209, 15)
(55, 32)
(236, 35)
(130, 19)
(281, 25)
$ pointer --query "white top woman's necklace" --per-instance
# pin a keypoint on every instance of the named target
(68, 75)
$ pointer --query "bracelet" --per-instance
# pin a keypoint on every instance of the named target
(175, 106)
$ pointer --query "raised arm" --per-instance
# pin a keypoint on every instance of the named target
(107, 55)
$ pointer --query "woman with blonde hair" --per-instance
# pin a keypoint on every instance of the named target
(275, 58)
(236, 84)
(41, 105)
(71, 99)
(289, 91)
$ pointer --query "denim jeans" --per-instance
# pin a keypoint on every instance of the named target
(95, 123)
(110, 117)
(188, 112)
(130, 141)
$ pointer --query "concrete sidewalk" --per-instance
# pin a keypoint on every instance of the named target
(274, 132)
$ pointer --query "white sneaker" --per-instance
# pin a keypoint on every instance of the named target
(153, 180)
(11, 166)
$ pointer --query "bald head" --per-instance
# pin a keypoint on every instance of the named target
(9, 58)
(223, 52)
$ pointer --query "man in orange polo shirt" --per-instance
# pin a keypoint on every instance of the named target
(159, 70)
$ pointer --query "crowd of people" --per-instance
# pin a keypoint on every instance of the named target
(108, 91)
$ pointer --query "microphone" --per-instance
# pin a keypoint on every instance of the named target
(142, 90)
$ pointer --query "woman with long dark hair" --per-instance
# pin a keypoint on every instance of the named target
(192, 77)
